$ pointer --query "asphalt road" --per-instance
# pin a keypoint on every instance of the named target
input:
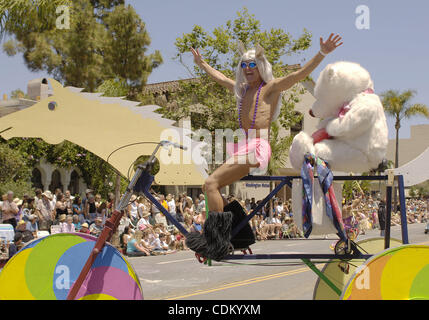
(180, 276)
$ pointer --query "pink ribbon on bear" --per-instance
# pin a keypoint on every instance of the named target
(321, 134)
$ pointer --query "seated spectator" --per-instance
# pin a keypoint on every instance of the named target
(196, 223)
(62, 218)
(26, 234)
(148, 236)
(16, 245)
(67, 226)
(125, 237)
(273, 226)
(262, 227)
(188, 224)
(84, 228)
(290, 230)
(28, 209)
(277, 225)
(144, 223)
(157, 245)
(96, 228)
(134, 248)
(161, 245)
(76, 222)
(166, 244)
(32, 225)
(179, 240)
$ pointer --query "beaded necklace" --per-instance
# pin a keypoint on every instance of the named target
(256, 108)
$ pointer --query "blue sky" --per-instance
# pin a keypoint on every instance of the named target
(395, 49)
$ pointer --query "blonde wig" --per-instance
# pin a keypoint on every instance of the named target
(265, 70)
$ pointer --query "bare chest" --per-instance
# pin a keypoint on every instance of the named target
(256, 110)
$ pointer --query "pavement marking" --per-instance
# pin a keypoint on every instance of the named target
(173, 261)
(243, 283)
(150, 281)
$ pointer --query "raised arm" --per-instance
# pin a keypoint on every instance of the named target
(281, 84)
(216, 75)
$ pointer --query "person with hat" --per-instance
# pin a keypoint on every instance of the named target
(84, 228)
(45, 211)
(144, 223)
(27, 235)
(10, 210)
(18, 203)
(96, 228)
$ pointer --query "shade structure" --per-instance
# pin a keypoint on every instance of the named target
(102, 125)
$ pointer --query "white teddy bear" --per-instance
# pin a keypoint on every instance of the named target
(353, 134)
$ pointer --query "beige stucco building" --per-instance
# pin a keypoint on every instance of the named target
(411, 147)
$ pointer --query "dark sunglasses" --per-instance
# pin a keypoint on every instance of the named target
(251, 65)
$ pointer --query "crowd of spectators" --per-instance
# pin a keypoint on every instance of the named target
(144, 230)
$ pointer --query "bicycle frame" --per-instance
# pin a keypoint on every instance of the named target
(143, 179)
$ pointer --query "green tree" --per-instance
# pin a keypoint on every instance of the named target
(18, 93)
(14, 13)
(105, 49)
(413, 192)
(106, 40)
(14, 172)
(219, 49)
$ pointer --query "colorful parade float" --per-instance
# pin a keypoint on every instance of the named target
(77, 266)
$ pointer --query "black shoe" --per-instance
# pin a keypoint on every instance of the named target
(244, 237)
(426, 231)
(214, 242)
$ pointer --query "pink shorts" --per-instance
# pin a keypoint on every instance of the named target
(258, 146)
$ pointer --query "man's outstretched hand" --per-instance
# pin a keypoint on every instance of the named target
(198, 59)
(331, 44)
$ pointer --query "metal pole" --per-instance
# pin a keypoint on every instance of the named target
(261, 204)
(404, 226)
(322, 276)
(109, 228)
(110, 225)
(388, 217)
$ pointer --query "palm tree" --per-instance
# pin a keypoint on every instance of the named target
(398, 105)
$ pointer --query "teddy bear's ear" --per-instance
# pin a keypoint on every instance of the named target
(259, 51)
(331, 72)
(241, 48)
